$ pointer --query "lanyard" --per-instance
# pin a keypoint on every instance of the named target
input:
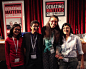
(52, 39)
(33, 44)
(16, 45)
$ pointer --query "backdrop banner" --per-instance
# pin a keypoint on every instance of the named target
(55, 7)
(13, 13)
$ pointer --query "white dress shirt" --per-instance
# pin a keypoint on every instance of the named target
(72, 45)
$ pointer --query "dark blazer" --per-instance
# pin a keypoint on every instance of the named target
(27, 45)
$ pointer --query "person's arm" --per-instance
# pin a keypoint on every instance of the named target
(82, 62)
(58, 53)
(80, 51)
(7, 52)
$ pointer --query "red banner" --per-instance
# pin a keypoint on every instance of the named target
(13, 13)
(55, 8)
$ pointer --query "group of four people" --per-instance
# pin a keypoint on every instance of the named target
(42, 51)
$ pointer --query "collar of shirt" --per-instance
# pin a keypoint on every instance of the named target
(69, 39)
(33, 34)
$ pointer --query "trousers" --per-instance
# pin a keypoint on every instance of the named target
(71, 64)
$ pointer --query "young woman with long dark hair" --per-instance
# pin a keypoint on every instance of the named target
(14, 52)
(51, 39)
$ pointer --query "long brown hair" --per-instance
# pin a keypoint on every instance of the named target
(47, 31)
(48, 28)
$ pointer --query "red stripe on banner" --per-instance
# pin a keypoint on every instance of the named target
(55, 3)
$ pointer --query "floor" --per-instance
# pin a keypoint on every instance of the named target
(3, 65)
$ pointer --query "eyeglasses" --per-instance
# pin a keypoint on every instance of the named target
(36, 26)
(66, 27)
(54, 21)
(17, 29)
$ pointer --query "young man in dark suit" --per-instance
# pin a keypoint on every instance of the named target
(33, 44)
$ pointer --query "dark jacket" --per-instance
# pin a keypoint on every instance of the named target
(27, 45)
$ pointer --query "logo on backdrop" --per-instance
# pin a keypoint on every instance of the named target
(55, 8)
(13, 10)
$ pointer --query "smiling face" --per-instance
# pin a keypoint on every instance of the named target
(34, 28)
(53, 22)
(16, 30)
(66, 30)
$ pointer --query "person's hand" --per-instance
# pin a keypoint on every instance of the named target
(82, 66)
(60, 57)
(57, 56)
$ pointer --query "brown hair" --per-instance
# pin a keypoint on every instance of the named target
(50, 19)
(48, 30)
(34, 22)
